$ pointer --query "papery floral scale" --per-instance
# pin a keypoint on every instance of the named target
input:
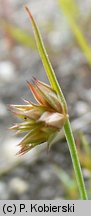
(41, 121)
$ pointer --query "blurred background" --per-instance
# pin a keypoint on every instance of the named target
(66, 29)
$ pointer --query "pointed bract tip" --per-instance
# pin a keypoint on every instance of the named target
(25, 101)
(28, 82)
(12, 127)
(33, 81)
(29, 12)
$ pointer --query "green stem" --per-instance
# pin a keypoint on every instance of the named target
(75, 159)
(54, 83)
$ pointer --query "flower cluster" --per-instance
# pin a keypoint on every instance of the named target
(41, 121)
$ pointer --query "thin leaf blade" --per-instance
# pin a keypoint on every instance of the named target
(45, 60)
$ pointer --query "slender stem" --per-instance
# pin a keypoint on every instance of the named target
(54, 83)
(75, 159)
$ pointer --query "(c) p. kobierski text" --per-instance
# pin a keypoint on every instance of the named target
(48, 208)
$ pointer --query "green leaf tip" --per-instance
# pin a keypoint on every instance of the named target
(45, 59)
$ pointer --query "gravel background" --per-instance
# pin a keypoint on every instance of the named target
(34, 176)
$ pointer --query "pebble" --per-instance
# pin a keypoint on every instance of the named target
(81, 108)
(18, 185)
(7, 72)
(86, 173)
(46, 175)
(10, 149)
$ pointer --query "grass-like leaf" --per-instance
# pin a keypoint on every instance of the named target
(45, 60)
(19, 35)
(69, 10)
(69, 183)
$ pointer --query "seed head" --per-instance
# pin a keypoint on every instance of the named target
(41, 121)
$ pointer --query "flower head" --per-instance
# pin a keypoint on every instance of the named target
(41, 121)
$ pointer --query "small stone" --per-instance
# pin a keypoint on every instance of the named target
(86, 173)
(45, 175)
(10, 149)
(7, 72)
(18, 185)
(81, 108)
